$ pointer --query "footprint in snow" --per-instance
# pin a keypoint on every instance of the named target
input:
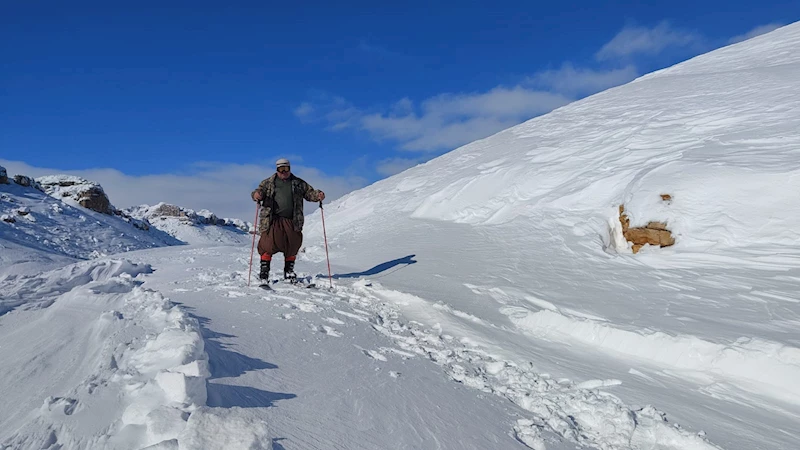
(61, 404)
(375, 355)
(334, 320)
(305, 307)
(352, 316)
(330, 331)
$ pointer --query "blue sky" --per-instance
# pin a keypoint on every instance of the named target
(175, 92)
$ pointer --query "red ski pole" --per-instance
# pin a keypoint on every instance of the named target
(255, 229)
(322, 213)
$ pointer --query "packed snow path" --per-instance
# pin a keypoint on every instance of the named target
(293, 368)
(313, 366)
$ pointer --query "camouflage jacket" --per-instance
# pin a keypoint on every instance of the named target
(300, 190)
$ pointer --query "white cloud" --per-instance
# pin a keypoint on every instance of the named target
(429, 133)
(757, 31)
(393, 166)
(223, 189)
(403, 106)
(304, 110)
(633, 40)
(499, 103)
(570, 80)
(449, 120)
(445, 121)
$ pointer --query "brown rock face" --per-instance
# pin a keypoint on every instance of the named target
(95, 199)
(657, 226)
(644, 235)
(655, 233)
(167, 210)
(22, 180)
(623, 219)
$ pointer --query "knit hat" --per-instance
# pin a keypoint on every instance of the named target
(282, 162)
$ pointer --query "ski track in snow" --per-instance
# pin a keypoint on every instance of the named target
(580, 413)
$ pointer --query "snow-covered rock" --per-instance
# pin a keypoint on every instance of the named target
(3, 175)
(202, 227)
(203, 217)
(26, 181)
(81, 191)
(37, 229)
(654, 233)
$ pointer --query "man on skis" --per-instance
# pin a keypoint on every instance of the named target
(281, 218)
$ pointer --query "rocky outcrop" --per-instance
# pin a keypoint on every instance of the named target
(95, 199)
(88, 194)
(167, 210)
(164, 211)
(22, 180)
(654, 233)
(3, 176)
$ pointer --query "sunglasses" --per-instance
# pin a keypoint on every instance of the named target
(283, 169)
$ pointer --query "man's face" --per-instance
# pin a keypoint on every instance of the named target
(284, 172)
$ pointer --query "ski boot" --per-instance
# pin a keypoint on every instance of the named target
(264, 274)
(288, 272)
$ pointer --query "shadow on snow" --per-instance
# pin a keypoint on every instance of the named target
(383, 267)
(226, 363)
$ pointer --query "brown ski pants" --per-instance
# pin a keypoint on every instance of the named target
(281, 238)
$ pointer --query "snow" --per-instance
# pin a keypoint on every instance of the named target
(517, 244)
(485, 299)
(54, 231)
(217, 429)
(114, 355)
(202, 227)
(66, 187)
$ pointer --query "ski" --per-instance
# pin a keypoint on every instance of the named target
(304, 282)
(301, 282)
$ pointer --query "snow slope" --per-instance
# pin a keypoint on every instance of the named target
(517, 247)
(43, 232)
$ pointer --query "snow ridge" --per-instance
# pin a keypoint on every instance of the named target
(131, 365)
(764, 366)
